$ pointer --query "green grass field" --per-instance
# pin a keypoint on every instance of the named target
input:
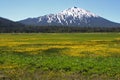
(60, 56)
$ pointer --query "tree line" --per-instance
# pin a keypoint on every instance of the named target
(55, 29)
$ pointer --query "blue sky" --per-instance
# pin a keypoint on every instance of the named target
(21, 9)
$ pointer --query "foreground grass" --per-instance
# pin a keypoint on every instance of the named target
(60, 56)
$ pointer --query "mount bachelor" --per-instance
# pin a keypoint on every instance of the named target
(71, 17)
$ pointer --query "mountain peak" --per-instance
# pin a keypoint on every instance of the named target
(75, 11)
(75, 7)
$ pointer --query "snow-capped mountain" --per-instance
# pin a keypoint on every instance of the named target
(71, 17)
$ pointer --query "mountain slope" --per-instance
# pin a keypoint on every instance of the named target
(8, 23)
(71, 17)
(8, 26)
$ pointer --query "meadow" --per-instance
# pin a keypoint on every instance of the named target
(60, 56)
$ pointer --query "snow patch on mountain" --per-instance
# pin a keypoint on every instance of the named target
(77, 12)
(71, 14)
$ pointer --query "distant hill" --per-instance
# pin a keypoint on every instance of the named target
(8, 26)
(71, 17)
(8, 23)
